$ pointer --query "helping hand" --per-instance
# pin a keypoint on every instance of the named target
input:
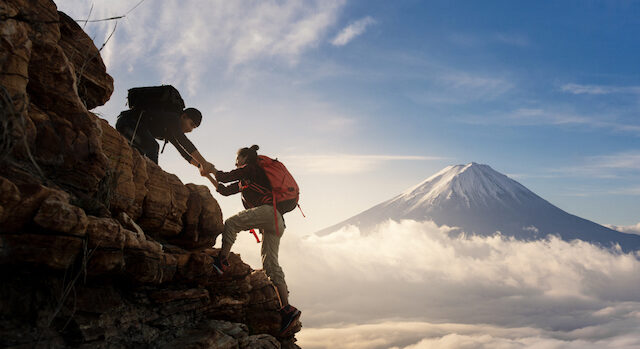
(206, 169)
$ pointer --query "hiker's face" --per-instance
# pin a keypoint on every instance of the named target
(187, 124)
(240, 160)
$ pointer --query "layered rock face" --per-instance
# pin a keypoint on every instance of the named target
(99, 247)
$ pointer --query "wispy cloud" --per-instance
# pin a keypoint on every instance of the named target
(352, 31)
(456, 87)
(348, 163)
(536, 116)
(513, 39)
(599, 89)
(624, 161)
(612, 166)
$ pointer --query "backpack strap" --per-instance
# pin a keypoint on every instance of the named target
(136, 128)
(253, 231)
(164, 145)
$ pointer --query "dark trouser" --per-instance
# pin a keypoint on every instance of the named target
(143, 141)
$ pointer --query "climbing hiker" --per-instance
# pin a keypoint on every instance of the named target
(253, 178)
(158, 112)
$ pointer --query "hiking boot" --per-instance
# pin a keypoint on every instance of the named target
(289, 316)
(220, 265)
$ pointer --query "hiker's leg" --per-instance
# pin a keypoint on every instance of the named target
(143, 140)
(253, 218)
(148, 144)
(269, 251)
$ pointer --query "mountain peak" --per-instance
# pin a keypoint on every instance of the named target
(480, 200)
(470, 184)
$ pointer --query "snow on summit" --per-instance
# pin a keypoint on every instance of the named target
(470, 184)
(479, 200)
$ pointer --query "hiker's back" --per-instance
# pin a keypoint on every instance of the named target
(285, 190)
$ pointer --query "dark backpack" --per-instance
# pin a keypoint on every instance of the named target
(164, 98)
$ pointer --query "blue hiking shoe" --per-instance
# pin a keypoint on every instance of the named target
(289, 316)
(220, 265)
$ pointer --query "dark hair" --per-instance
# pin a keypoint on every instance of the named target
(193, 114)
(250, 153)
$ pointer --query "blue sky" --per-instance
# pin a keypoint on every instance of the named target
(366, 98)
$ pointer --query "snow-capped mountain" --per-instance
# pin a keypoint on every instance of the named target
(480, 200)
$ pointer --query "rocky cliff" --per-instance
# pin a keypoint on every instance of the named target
(99, 247)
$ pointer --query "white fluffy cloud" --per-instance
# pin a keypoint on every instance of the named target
(411, 285)
(352, 30)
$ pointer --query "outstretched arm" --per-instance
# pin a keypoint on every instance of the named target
(233, 175)
(191, 154)
(205, 166)
(231, 189)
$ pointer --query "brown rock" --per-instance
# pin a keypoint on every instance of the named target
(195, 339)
(120, 157)
(103, 261)
(179, 194)
(262, 341)
(42, 15)
(199, 267)
(9, 197)
(52, 80)
(32, 197)
(105, 233)
(53, 251)
(165, 296)
(140, 180)
(15, 53)
(202, 220)
(143, 267)
(263, 292)
(157, 202)
(94, 84)
(56, 214)
(149, 267)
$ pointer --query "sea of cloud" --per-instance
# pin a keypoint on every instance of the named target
(411, 285)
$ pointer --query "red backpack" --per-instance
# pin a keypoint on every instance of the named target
(284, 189)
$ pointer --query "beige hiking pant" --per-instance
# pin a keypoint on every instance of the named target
(262, 218)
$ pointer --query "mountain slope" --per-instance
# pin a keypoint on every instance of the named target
(480, 200)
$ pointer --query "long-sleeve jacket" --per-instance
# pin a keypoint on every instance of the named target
(251, 181)
(165, 126)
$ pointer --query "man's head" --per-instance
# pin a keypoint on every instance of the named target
(190, 119)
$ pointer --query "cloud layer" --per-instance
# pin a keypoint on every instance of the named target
(410, 285)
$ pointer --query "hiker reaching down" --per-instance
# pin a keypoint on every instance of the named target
(168, 126)
(158, 112)
(250, 179)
